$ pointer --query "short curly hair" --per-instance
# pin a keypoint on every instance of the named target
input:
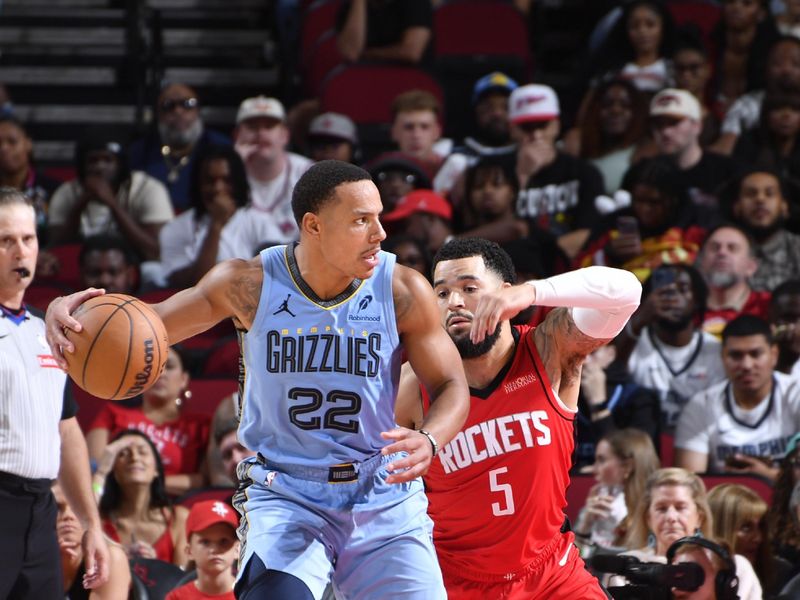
(318, 185)
(494, 257)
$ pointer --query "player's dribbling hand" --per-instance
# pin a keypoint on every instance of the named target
(419, 450)
(59, 317)
(498, 306)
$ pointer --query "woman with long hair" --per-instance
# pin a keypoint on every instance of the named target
(638, 47)
(624, 459)
(782, 524)
(775, 143)
(739, 521)
(134, 506)
(613, 130)
(165, 415)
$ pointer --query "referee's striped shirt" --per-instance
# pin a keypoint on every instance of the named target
(32, 398)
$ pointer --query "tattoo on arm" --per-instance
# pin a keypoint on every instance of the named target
(566, 344)
(244, 294)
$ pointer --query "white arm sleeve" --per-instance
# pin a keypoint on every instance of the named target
(601, 299)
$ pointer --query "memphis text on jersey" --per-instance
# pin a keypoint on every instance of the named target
(494, 437)
(323, 349)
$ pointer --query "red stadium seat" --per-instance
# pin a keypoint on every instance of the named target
(702, 14)
(223, 359)
(324, 59)
(365, 92)
(666, 449)
(69, 273)
(318, 19)
(478, 29)
(208, 393)
(88, 406)
(579, 487)
(759, 485)
(192, 497)
(39, 295)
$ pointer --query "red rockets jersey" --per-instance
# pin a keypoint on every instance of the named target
(497, 491)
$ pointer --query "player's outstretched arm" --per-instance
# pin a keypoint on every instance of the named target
(230, 290)
(436, 362)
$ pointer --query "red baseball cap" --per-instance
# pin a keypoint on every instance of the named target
(210, 512)
(424, 201)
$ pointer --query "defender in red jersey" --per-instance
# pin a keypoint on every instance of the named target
(497, 491)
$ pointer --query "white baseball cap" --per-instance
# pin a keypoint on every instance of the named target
(260, 106)
(334, 125)
(533, 102)
(672, 102)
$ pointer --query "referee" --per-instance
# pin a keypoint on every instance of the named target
(40, 439)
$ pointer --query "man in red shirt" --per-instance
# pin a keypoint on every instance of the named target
(497, 492)
(727, 261)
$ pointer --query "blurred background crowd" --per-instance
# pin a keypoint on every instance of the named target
(158, 137)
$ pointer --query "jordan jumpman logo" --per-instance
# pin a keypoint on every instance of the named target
(285, 307)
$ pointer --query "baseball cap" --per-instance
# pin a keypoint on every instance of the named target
(675, 103)
(424, 201)
(496, 81)
(260, 106)
(333, 125)
(533, 102)
(207, 513)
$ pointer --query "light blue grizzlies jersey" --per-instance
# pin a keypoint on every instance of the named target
(321, 376)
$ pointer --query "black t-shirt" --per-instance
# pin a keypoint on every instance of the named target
(387, 20)
(708, 177)
(560, 197)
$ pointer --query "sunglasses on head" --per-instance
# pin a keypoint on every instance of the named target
(185, 103)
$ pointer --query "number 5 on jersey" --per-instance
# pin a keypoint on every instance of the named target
(506, 507)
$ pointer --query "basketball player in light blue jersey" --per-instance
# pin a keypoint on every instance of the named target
(334, 493)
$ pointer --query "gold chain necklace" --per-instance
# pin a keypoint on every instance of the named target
(173, 167)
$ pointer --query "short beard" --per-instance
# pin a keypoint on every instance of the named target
(494, 137)
(181, 139)
(678, 324)
(468, 349)
(718, 279)
(762, 234)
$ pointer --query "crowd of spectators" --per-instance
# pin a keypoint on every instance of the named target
(682, 165)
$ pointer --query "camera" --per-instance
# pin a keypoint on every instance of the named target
(649, 581)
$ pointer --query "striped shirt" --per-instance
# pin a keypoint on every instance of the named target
(32, 398)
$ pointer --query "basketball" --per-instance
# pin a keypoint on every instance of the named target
(121, 350)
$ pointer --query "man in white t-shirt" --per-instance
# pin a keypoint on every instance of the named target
(743, 423)
(261, 137)
(664, 346)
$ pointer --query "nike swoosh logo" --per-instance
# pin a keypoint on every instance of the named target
(563, 560)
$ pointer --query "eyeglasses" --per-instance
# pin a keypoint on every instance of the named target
(795, 462)
(408, 178)
(185, 103)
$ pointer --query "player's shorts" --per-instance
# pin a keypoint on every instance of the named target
(372, 539)
(558, 574)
